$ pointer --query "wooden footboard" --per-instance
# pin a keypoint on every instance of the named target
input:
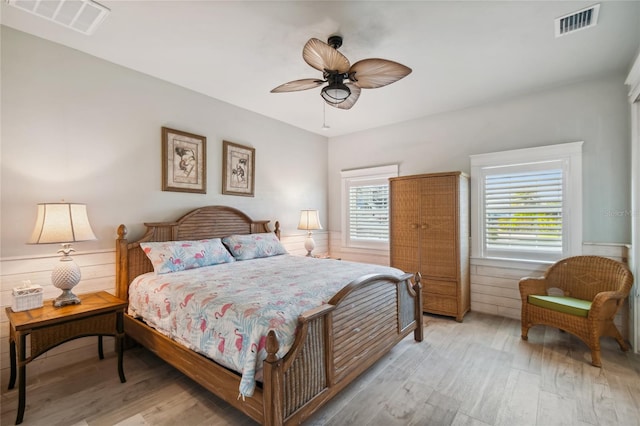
(338, 342)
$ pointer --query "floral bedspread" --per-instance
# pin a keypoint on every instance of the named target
(225, 311)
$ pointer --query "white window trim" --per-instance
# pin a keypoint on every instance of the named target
(569, 153)
(633, 81)
(347, 176)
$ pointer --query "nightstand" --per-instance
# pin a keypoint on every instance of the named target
(99, 314)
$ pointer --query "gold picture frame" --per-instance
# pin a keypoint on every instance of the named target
(184, 161)
(238, 169)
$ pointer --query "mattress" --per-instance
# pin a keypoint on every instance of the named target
(225, 311)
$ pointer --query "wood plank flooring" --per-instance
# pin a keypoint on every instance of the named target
(474, 373)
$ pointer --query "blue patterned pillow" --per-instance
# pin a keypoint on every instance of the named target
(171, 256)
(252, 246)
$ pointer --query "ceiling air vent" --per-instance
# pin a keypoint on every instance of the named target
(576, 21)
(80, 15)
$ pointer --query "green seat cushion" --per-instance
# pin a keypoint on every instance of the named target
(568, 305)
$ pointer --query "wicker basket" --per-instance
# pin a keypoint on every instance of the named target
(27, 297)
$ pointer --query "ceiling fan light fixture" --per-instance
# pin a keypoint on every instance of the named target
(335, 93)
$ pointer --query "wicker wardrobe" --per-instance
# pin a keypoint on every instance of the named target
(429, 217)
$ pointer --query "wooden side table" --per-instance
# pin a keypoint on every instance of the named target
(99, 314)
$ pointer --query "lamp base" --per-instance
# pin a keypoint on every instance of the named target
(66, 298)
(65, 276)
(309, 244)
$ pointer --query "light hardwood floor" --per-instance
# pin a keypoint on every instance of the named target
(474, 373)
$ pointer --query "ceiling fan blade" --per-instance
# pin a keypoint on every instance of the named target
(351, 100)
(296, 85)
(374, 72)
(323, 57)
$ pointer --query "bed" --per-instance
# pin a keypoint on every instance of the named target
(333, 343)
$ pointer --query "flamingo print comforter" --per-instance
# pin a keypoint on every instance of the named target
(225, 311)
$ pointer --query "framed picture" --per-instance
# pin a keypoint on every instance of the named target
(238, 169)
(184, 161)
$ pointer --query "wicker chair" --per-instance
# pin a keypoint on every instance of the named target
(603, 282)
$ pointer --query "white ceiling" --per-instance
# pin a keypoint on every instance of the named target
(462, 53)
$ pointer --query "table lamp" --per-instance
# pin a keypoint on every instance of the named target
(309, 220)
(63, 223)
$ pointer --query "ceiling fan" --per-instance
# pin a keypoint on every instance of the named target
(345, 80)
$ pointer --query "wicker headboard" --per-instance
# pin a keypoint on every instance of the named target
(199, 224)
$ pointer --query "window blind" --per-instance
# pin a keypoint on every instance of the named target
(523, 211)
(369, 212)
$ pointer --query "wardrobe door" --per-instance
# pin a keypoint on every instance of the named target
(438, 227)
(404, 225)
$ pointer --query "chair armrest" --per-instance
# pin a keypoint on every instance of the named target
(606, 304)
(529, 285)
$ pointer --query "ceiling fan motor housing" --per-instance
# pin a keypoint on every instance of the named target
(335, 41)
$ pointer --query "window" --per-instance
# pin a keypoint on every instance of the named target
(365, 213)
(526, 204)
(523, 210)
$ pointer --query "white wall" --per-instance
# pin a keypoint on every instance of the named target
(594, 111)
(81, 129)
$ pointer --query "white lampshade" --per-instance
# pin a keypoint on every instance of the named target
(61, 223)
(309, 219)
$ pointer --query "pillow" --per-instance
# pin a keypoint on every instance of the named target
(252, 246)
(171, 256)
